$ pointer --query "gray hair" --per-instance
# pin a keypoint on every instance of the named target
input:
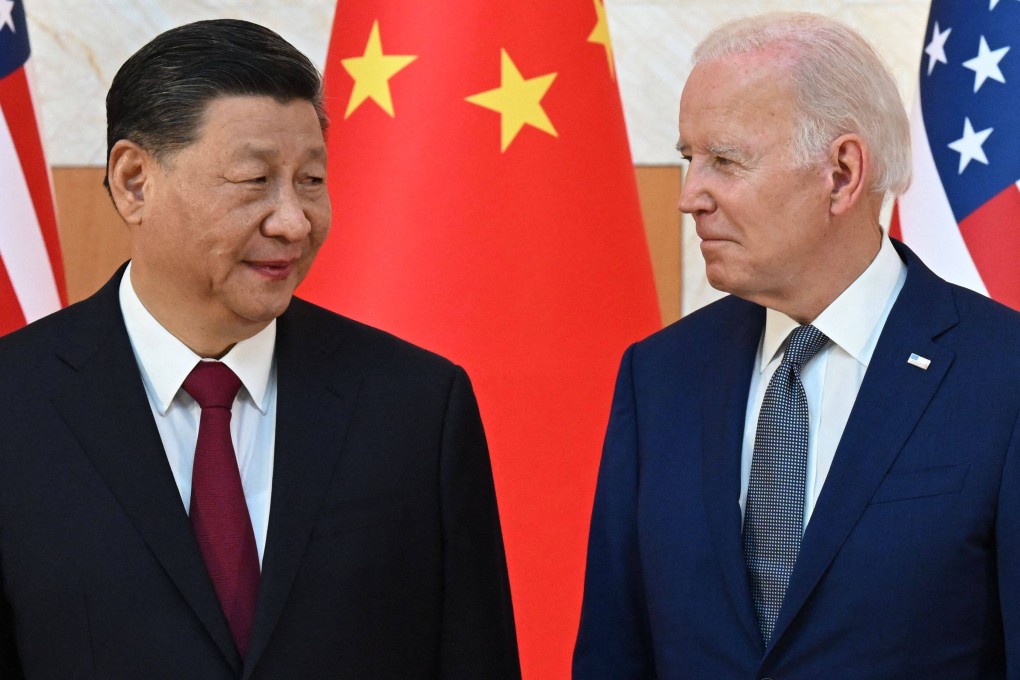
(841, 86)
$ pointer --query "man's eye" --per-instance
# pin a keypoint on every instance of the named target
(314, 181)
(255, 180)
(720, 160)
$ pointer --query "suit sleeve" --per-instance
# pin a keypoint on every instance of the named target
(614, 640)
(478, 634)
(10, 665)
(1008, 553)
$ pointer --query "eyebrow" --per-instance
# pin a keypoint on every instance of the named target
(728, 150)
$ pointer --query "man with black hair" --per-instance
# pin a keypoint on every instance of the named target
(202, 476)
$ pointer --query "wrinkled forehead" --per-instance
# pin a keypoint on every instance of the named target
(735, 95)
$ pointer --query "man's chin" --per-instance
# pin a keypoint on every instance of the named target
(718, 278)
(264, 311)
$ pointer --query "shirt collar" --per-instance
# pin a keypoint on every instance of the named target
(854, 320)
(165, 361)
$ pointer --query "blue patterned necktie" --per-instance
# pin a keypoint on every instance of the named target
(774, 514)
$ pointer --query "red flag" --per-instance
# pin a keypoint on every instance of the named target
(31, 273)
(961, 213)
(485, 207)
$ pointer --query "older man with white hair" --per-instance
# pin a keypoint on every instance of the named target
(819, 475)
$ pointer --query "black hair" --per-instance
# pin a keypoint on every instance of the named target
(159, 96)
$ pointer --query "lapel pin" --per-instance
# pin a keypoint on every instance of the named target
(919, 361)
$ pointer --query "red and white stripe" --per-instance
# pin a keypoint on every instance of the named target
(31, 280)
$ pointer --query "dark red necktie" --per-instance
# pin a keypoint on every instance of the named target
(219, 515)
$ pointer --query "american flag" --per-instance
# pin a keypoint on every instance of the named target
(962, 212)
(31, 273)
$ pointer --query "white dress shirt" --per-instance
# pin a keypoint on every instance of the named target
(165, 362)
(833, 377)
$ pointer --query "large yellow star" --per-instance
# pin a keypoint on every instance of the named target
(518, 101)
(372, 72)
(600, 35)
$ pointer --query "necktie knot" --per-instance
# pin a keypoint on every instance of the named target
(805, 342)
(212, 384)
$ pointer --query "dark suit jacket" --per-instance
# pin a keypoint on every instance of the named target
(383, 556)
(910, 564)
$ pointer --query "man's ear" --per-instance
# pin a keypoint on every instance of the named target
(128, 171)
(849, 162)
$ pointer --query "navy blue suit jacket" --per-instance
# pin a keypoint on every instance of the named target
(910, 564)
(383, 556)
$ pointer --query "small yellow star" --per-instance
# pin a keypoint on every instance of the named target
(372, 72)
(518, 101)
(600, 35)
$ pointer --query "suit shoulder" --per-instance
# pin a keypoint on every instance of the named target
(977, 307)
(68, 331)
(974, 325)
(43, 336)
(986, 325)
(702, 327)
(372, 345)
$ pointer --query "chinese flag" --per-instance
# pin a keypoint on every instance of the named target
(31, 273)
(485, 207)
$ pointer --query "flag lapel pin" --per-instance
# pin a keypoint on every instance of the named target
(921, 362)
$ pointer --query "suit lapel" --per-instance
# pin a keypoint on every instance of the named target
(104, 404)
(724, 407)
(317, 389)
(891, 400)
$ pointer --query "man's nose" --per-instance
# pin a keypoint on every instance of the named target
(288, 219)
(694, 195)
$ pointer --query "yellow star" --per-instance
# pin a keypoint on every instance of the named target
(518, 101)
(372, 72)
(600, 35)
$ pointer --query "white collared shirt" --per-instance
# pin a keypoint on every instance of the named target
(853, 323)
(164, 362)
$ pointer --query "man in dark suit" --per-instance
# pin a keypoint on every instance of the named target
(335, 518)
(818, 476)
